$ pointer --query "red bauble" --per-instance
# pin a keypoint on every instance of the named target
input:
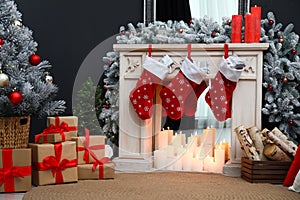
(110, 63)
(123, 32)
(281, 40)
(285, 79)
(271, 22)
(106, 106)
(15, 97)
(270, 87)
(291, 123)
(294, 51)
(213, 34)
(1, 41)
(180, 30)
(35, 59)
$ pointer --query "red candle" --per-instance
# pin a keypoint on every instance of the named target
(236, 31)
(250, 28)
(256, 11)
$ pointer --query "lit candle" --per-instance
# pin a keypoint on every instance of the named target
(170, 150)
(250, 28)
(224, 145)
(162, 139)
(176, 142)
(256, 11)
(170, 135)
(219, 160)
(177, 165)
(236, 31)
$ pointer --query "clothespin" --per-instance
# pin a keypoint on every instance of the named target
(225, 50)
(150, 50)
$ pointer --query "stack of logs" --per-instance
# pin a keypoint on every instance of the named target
(265, 145)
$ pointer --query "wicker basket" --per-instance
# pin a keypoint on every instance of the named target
(14, 132)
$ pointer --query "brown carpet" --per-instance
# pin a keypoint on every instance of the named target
(161, 186)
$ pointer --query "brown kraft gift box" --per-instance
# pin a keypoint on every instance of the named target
(18, 162)
(54, 163)
(91, 172)
(96, 145)
(54, 137)
(71, 121)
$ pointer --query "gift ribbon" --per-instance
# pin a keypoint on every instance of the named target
(54, 164)
(88, 150)
(60, 128)
(9, 172)
(101, 163)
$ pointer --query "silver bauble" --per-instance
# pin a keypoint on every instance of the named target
(3, 80)
(49, 79)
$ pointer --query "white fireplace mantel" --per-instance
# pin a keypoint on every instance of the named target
(136, 136)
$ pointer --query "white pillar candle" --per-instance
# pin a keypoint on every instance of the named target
(176, 142)
(224, 145)
(160, 158)
(170, 150)
(180, 151)
(219, 160)
(187, 161)
(209, 138)
(162, 139)
(197, 165)
(170, 135)
(177, 165)
(169, 163)
(183, 139)
(208, 164)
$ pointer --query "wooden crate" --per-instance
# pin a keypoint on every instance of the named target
(264, 171)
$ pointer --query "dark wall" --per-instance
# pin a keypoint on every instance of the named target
(67, 31)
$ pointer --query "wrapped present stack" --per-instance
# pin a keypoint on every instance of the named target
(54, 157)
(92, 163)
(15, 158)
(268, 154)
(60, 156)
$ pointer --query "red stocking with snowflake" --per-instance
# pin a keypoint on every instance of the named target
(142, 95)
(188, 80)
(219, 96)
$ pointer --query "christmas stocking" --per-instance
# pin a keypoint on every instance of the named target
(219, 96)
(142, 95)
(186, 81)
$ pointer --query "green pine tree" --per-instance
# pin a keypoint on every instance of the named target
(88, 107)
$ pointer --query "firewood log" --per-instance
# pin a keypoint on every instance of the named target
(246, 143)
(285, 139)
(283, 146)
(273, 152)
(256, 137)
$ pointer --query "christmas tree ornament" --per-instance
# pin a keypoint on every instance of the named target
(228, 21)
(271, 22)
(270, 88)
(291, 122)
(219, 96)
(285, 79)
(4, 80)
(17, 23)
(188, 80)
(180, 30)
(281, 40)
(1, 41)
(213, 34)
(106, 106)
(142, 95)
(110, 63)
(34, 59)
(122, 30)
(49, 78)
(294, 52)
(15, 97)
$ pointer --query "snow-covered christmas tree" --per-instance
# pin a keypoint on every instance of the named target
(26, 85)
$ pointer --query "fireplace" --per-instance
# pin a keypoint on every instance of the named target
(137, 139)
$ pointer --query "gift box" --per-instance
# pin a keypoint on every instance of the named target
(102, 169)
(15, 170)
(54, 163)
(89, 148)
(59, 129)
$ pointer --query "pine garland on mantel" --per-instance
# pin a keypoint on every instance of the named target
(281, 65)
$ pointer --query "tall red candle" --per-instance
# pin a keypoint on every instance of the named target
(256, 11)
(236, 31)
(250, 28)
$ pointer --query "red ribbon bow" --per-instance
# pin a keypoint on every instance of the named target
(9, 172)
(101, 163)
(60, 128)
(88, 150)
(55, 165)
